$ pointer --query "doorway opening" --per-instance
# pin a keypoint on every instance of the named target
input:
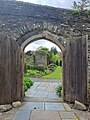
(43, 67)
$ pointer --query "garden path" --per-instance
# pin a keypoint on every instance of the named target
(42, 103)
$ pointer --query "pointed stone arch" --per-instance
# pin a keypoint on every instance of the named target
(45, 34)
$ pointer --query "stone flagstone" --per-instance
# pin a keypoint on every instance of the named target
(28, 106)
(45, 115)
(67, 115)
(48, 106)
(21, 115)
(54, 106)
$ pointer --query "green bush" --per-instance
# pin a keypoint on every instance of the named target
(25, 88)
(74, 12)
(40, 68)
(33, 73)
(87, 12)
(52, 66)
(47, 72)
(58, 90)
(27, 83)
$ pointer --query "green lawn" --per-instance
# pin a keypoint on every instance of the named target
(57, 74)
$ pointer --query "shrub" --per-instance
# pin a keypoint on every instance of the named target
(33, 73)
(74, 12)
(47, 72)
(40, 68)
(52, 67)
(25, 88)
(58, 90)
(27, 83)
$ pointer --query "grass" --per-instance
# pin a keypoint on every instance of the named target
(57, 74)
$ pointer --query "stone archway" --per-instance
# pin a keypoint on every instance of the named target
(72, 62)
(45, 34)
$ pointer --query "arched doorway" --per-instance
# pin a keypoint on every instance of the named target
(40, 54)
(54, 38)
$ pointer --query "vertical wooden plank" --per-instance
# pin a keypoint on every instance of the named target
(11, 77)
(75, 72)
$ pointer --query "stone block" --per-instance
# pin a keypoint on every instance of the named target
(80, 106)
(5, 108)
(45, 115)
(67, 108)
(68, 115)
(54, 106)
(21, 115)
(16, 104)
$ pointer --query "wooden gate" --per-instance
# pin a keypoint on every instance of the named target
(11, 72)
(75, 71)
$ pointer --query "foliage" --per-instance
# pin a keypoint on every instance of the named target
(82, 5)
(31, 73)
(42, 48)
(47, 72)
(57, 74)
(74, 12)
(54, 50)
(87, 12)
(52, 55)
(58, 90)
(56, 57)
(40, 68)
(80, 9)
(52, 67)
(57, 62)
(27, 83)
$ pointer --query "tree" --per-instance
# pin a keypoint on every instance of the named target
(41, 48)
(81, 8)
(82, 5)
(57, 62)
(54, 50)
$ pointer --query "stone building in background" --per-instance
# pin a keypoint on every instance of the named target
(37, 58)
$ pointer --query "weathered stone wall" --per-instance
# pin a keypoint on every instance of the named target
(37, 57)
(18, 18)
(41, 58)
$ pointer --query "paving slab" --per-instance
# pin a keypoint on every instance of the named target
(41, 94)
(9, 114)
(45, 115)
(52, 95)
(21, 115)
(40, 88)
(31, 99)
(54, 106)
(70, 119)
(67, 115)
(28, 106)
(67, 107)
